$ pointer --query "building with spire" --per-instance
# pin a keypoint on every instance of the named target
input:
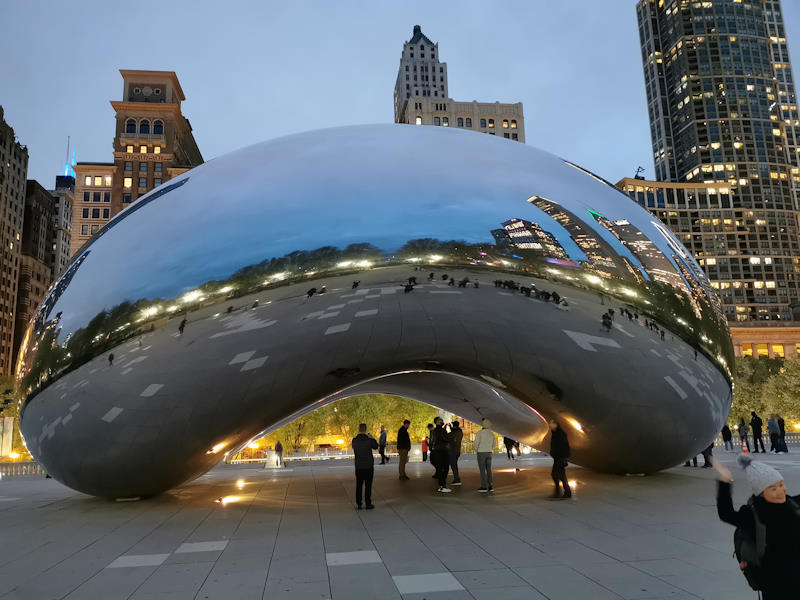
(153, 143)
(421, 96)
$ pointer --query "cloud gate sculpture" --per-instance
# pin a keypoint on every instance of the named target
(461, 270)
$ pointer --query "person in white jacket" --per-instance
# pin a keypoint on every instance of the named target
(484, 447)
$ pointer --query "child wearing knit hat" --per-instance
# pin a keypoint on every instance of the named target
(777, 512)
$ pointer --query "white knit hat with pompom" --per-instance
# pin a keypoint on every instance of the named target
(759, 474)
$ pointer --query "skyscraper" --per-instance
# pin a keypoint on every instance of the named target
(724, 127)
(421, 96)
(63, 195)
(13, 174)
(152, 144)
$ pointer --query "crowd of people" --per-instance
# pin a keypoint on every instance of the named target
(776, 429)
(442, 445)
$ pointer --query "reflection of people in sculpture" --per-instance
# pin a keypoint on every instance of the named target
(559, 450)
(182, 326)
(430, 276)
(278, 454)
(355, 284)
(311, 292)
(111, 360)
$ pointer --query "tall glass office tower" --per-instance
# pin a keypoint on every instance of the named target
(723, 115)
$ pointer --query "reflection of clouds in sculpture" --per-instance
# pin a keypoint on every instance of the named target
(242, 245)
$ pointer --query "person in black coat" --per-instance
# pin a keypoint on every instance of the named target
(403, 447)
(779, 513)
(727, 437)
(363, 445)
(559, 450)
(440, 453)
(756, 424)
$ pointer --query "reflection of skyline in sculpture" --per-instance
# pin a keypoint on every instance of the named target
(528, 235)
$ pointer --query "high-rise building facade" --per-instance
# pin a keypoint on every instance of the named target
(153, 142)
(724, 120)
(421, 96)
(13, 174)
(63, 195)
(35, 272)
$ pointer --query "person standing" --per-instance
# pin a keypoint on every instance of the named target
(774, 433)
(440, 454)
(382, 445)
(427, 444)
(509, 444)
(363, 445)
(756, 425)
(111, 360)
(782, 434)
(744, 431)
(484, 447)
(403, 447)
(559, 450)
(770, 508)
(182, 326)
(279, 454)
(456, 436)
(727, 437)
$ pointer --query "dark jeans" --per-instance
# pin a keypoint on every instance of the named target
(774, 442)
(559, 473)
(424, 455)
(441, 460)
(454, 466)
(364, 478)
(382, 451)
(756, 439)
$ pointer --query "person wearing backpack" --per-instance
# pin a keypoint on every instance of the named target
(767, 528)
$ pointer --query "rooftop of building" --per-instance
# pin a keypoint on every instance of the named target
(418, 37)
(141, 75)
(677, 185)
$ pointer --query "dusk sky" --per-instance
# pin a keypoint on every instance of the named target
(256, 70)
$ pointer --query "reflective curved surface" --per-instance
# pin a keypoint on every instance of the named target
(459, 269)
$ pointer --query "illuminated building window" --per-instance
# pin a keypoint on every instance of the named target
(87, 180)
(158, 127)
(143, 149)
(127, 182)
(144, 126)
(777, 350)
(491, 123)
(505, 123)
(762, 350)
(130, 126)
(747, 349)
(469, 122)
(129, 149)
(711, 261)
(755, 260)
(157, 150)
(445, 122)
(513, 123)
(108, 180)
(418, 121)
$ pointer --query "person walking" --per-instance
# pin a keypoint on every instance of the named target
(382, 446)
(484, 447)
(776, 514)
(403, 447)
(279, 454)
(111, 360)
(509, 444)
(456, 436)
(727, 438)
(707, 454)
(182, 326)
(774, 433)
(782, 434)
(426, 443)
(744, 431)
(559, 450)
(440, 454)
(756, 424)
(363, 445)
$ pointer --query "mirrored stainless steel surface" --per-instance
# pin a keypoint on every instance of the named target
(459, 269)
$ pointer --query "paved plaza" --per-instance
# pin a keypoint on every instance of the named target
(295, 534)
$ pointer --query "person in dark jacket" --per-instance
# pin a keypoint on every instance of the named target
(510, 445)
(403, 447)
(559, 450)
(727, 437)
(782, 428)
(456, 435)
(440, 453)
(756, 424)
(780, 515)
(382, 445)
(363, 445)
(744, 431)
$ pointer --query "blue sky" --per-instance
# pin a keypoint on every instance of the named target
(255, 70)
